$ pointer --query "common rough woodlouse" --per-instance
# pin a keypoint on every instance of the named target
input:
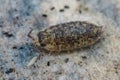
(68, 36)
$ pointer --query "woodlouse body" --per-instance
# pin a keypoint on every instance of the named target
(69, 36)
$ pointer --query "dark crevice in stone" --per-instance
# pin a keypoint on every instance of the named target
(52, 8)
(48, 63)
(44, 15)
(61, 10)
(10, 70)
(66, 60)
(66, 7)
(84, 57)
(7, 34)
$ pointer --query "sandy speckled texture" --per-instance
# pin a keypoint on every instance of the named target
(98, 62)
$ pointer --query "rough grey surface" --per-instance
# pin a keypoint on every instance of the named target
(98, 62)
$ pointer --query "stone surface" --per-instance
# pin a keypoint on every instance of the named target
(98, 62)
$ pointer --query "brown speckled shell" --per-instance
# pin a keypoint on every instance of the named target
(69, 36)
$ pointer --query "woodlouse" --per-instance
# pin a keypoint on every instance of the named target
(68, 36)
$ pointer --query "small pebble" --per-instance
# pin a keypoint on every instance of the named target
(66, 7)
(7, 34)
(14, 47)
(48, 63)
(10, 70)
(84, 57)
(52, 8)
(61, 10)
(32, 61)
(44, 15)
(66, 60)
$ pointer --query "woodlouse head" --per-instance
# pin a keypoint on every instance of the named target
(44, 41)
(41, 37)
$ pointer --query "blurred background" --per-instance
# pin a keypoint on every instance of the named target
(18, 17)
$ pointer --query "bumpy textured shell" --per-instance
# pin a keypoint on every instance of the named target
(69, 36)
